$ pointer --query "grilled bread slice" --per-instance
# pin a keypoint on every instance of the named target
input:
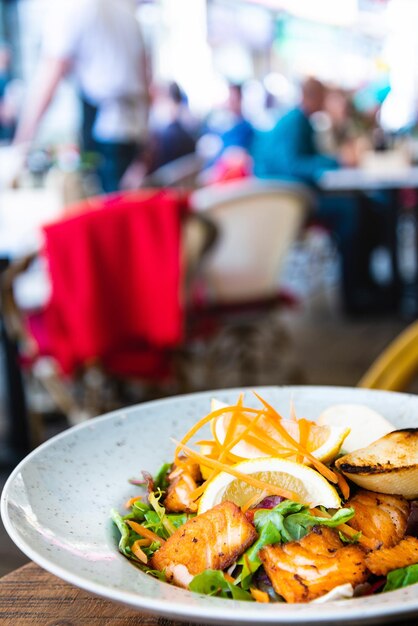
(389, 465)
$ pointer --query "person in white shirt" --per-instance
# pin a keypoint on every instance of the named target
(99, 42)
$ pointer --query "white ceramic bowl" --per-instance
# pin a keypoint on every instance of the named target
(56, 504)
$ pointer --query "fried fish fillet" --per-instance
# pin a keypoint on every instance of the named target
(213, 540)
(380, 516)
(382, 561)
(182, 483)
(303, 570)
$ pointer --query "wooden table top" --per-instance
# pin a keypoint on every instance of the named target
(30, 595)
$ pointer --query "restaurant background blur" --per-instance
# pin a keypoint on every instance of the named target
(268, 45)
(213, 53)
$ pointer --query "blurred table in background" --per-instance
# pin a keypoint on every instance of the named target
(23, 212)
(355, 179)
(399, 188)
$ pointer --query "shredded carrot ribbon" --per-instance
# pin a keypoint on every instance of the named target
(198, 426)
(229, 578)
(304, 430)
(261, 428)
(275, 420)
(144, 532)
(256, 436)
(343, 485)
(143, 542)
(255, 499)
(131, 501)
(254, 482)
(138, 552)
(229, 442)
(258, 595)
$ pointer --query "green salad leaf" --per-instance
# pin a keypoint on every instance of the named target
(160, 523)
(250, 560)
(299, 524)
(129, 536)
(124, 532)
(350, 540)
(152, 516)
(139, 508)
(212, 582)
(161, 477)
(288, 521)
(402, 577)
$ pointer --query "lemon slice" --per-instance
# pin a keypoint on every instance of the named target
(324, 441)
(365, 424)
(308, 485)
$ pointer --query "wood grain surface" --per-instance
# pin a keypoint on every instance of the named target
(30, 595)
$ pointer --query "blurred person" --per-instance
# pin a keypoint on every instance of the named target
(99, 43)
(172, 132)
(6, 120)
(239, 131)
(345, 134)
(232, 158)
(229, 125)
(5, 74)
(10, 107)
(290, 152)
(290, 148)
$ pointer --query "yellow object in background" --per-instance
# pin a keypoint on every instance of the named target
(397, 365)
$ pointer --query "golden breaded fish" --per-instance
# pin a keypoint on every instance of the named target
(380, 516)
(183, 481)
(301, 571)
(382, 561)
(213, 540)
(178, 496)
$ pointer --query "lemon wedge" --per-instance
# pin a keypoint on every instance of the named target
(306, 484)
(324, 441)
(365, 424)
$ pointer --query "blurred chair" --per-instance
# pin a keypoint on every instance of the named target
(121, 274)
(241, 337)
(395, 368)
(182, 172)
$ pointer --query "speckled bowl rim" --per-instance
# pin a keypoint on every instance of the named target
(393, 605)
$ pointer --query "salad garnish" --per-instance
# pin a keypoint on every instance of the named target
(258, 512)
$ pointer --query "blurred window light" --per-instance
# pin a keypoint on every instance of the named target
(341, 13)
(234, 62)
(240, 22)
(337, 12)
(148, 14)
(280, 87)
(183, 53)
(399, 110)
(255, 26)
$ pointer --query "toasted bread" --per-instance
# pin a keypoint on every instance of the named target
(389, 465)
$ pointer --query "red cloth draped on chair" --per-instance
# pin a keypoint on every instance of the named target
(116, 283)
